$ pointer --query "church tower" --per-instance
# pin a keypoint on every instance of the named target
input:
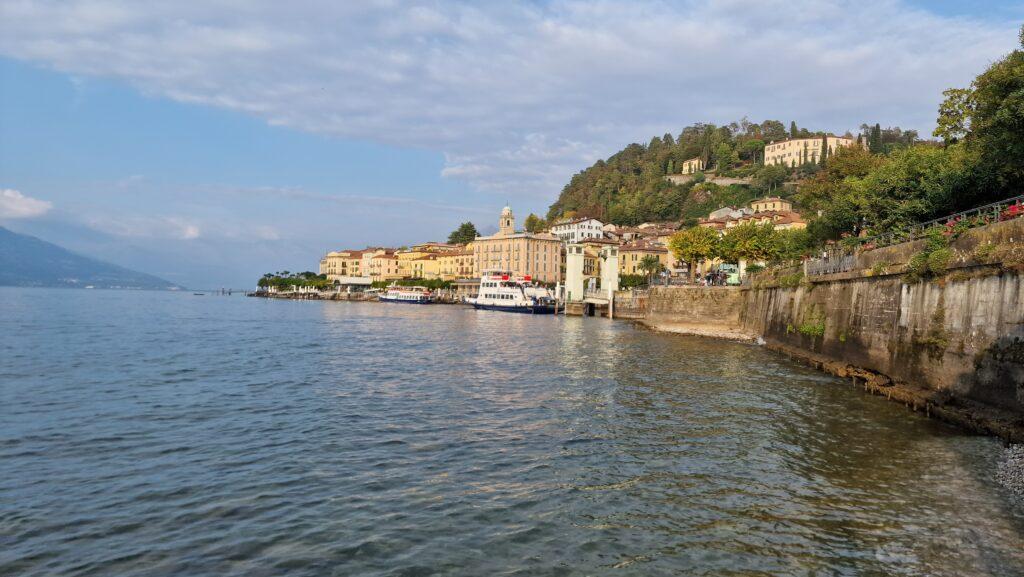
(507, 223)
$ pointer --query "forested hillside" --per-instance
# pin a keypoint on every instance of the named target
(630, 186)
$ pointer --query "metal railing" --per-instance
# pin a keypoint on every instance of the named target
(842, 258)
(987, 214)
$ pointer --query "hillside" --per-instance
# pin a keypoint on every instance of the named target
(28, 261)
(630, 186)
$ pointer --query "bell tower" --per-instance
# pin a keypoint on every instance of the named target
(507, 223)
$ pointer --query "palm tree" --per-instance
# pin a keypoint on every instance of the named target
(650, 265)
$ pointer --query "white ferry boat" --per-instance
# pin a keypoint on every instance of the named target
(501, 291)
(414, 295)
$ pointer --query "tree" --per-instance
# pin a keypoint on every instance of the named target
(996, 123)
(694, 245)
(771, 177)
(534, 223)
(875, 140)
(954, 115)
(750, 241)
(650, 265)
(465, 233)
(823, 156)
(793, 132)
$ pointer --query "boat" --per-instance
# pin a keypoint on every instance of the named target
(413, 295)
(503, 291)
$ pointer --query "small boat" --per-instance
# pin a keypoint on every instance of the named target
(198, 294)
(413, 295)
(501, 291)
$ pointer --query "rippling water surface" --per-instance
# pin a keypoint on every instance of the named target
(147, 433)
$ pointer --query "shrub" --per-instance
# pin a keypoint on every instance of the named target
(938, 261)
(754, 268)
(983, 252)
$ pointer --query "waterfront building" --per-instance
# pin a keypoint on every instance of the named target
(521, 253)
(692, 166)
(457, 264)
(632, 254)
(797, 151)
(342, 263)
(425, 267)
(385, 266)
(578, 229)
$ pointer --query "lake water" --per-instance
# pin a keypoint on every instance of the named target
(149, 433)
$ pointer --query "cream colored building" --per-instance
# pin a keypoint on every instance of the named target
(385, 267)
(772, 209)
(521, 253)
(692, 166)
(797, 151)
(342, 263)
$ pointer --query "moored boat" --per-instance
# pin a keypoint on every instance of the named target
(502, 291)
(415, 295)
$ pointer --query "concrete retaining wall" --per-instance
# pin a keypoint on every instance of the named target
(956, 337)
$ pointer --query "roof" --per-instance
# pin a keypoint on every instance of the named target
(576, 220)
(770, 199)
(642, 247)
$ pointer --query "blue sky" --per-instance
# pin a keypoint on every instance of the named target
(210, 142)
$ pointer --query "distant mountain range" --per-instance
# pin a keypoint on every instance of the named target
(28, 261)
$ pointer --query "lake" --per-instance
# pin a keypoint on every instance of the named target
(159, 433)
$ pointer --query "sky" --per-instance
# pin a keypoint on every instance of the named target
(208, 142)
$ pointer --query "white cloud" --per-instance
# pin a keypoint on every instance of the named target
(166, 227)
(14, 204)
(519, 96)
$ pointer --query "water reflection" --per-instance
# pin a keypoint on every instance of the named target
(364, 439)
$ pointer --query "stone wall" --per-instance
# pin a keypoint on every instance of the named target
(958, 334)
(956, 337)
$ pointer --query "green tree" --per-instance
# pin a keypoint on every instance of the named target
(996, 126)
(954, 119)
(793, 132)
(465, 233)
(770, 177)
(534, 223)
(875, 140)
(914, 184)
(793, 243)
(694, 246)
(650, 265)
(750, 242)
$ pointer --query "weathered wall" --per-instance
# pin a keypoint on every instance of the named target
(959, 335)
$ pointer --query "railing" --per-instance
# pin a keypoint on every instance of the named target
(986, 214)
(841, 258)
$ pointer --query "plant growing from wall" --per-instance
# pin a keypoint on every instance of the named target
(934, 259)
(814, 324)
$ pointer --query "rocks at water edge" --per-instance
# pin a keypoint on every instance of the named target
(1010, 472)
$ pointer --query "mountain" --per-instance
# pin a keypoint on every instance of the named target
(28, 261)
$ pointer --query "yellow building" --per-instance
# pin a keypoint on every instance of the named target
(771, 203)
(797, 151)
(631, 255)
(535, 255)
(385, 267)
(425, 267)
(693, 166)
(457, 264)
(342, 263)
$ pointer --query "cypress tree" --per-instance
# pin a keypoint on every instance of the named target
(824, 151)
(875, 140)
(792, 129)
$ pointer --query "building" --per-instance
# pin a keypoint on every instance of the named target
(342, 263)
(385, 266)
(797, 151)
(772, 209)
(538, 256)
(772, 203)
(457, 264)
(692, 166)
(578, 229)
(632, 254)
(425, 267)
